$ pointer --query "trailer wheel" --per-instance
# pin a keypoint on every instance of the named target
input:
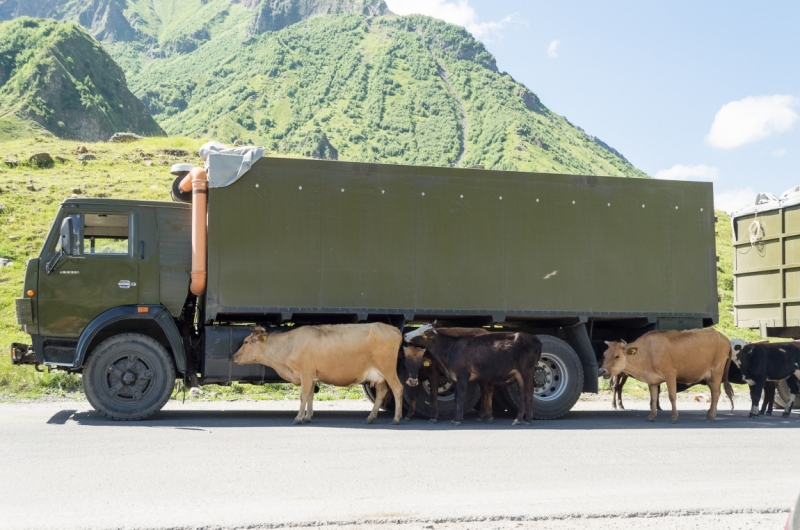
(128, 377)
(782, 395)
(558, 381)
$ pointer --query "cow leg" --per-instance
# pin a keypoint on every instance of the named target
(310, 404)
(755, 396)
(413, 394)
(769, 399)
(434, 382)
(653, 401)
(397, 390)
(792, 381)
(529, 391)
(487, 390)
(658, 399)
(305, 383)
(380, 393)
(523, 398)
(461, 392)
(716, 391)
(614, 388)
(672, 390)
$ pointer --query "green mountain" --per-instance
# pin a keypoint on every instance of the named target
(55, 76)
(332, 79)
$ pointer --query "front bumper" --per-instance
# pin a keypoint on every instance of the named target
(22, 354)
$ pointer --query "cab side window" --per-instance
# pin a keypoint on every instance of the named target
(106, 234)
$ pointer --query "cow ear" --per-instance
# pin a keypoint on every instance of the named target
(263, 337)
(632, 351)
(607, 343)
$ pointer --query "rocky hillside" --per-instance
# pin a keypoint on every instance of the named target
(339, 79)
(55, 76)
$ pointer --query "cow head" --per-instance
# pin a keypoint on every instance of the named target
(737, 347)
(616, 357)
(251, 349)
(413, 358)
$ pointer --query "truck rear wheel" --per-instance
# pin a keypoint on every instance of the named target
(782, 395)
(128, 377)
(558, 381)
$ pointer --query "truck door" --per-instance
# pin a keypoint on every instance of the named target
(101, 274)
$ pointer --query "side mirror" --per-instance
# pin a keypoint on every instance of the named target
(67, 232)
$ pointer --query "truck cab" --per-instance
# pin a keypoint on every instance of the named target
(106, 267)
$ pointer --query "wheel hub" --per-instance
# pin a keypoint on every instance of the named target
(128, 378)
(539, 377)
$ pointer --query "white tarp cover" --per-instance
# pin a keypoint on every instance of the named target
(227, 165)
(766, 202)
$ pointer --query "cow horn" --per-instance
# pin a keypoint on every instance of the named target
(621, 341)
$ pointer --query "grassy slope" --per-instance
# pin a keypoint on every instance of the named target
(138, 170)
(56, 76)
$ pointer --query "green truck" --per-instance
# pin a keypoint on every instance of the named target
(120, 294)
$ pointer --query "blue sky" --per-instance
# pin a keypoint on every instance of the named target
(684, 89)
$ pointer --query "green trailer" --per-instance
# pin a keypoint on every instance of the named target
(576, 260)
(766, 269)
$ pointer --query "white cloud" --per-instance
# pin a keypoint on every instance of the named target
(453, 11)
(732, 200)
(701, 173)
(552, 49)
(751, 119)
(779, 152)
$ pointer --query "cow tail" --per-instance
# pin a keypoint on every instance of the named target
(726, 383)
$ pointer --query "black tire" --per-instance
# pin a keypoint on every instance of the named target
(562, 368)
(128, 377)
(446, 401)
(782, 396)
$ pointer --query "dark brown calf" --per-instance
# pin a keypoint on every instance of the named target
(488, 358)
(429, 371)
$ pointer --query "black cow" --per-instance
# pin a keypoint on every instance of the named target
(764, 362)
(489, 358)
(429, 371)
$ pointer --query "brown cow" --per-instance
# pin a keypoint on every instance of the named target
(673, 357)
(341, 355)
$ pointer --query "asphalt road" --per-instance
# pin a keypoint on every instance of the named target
(237, 465)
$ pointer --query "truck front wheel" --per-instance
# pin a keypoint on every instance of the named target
(558, 380)
(128, 377)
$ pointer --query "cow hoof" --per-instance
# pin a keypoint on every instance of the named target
(433, 420)
(527, 423)
(455, 423)
(406, 419)
(761, 413)
(751, 415)
(479, 419)
(621, 407)
(368, 421)
(769, 413)
(297, 422)
(490, 420)
(785, 415)
(395, 422)
(516, 422)
(711, 420)
(673, 420)
(650, 419)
